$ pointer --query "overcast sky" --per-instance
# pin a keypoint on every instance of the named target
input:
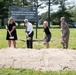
(55, 8)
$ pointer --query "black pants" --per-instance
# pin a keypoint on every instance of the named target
(30, 42)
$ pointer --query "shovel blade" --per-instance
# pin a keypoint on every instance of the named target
(11, 37)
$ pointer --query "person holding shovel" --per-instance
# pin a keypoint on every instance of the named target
(11, 32)
(29, 33)
(47, 36)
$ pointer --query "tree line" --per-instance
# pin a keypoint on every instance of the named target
(68, 11)
(65, 8)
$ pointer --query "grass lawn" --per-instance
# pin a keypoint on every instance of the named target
(33, 72)
(38, 43)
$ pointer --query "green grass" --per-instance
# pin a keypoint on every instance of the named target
(21, 43)
(33, 72)
(38, 44)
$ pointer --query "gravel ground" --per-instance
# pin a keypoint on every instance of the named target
(43, 59)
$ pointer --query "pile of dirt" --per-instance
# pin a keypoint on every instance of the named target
(43, 59)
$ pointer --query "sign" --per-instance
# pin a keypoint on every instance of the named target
(19, 13)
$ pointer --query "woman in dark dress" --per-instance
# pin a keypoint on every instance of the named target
(47, 36)
(11, 32)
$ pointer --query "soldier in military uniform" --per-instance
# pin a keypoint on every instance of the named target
(65, 33)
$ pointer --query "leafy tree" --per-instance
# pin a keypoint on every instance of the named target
(44, 16)
(4, 7)
(55, 16)
(73, 13)
(3, 11)
(61, 3)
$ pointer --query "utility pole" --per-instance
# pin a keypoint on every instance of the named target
(37, 17)
(49, 13)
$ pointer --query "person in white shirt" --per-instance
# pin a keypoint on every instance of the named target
(29, 33)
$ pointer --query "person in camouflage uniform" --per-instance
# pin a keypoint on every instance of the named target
(65, 33)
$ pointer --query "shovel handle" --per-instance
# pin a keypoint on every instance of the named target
(9, 33)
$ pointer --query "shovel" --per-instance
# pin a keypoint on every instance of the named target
(28, 38)
(11, 37)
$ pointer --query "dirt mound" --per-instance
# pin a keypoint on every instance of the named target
(43, 59)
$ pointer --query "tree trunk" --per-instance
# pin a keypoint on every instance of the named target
(2, 22)
(18, 23)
